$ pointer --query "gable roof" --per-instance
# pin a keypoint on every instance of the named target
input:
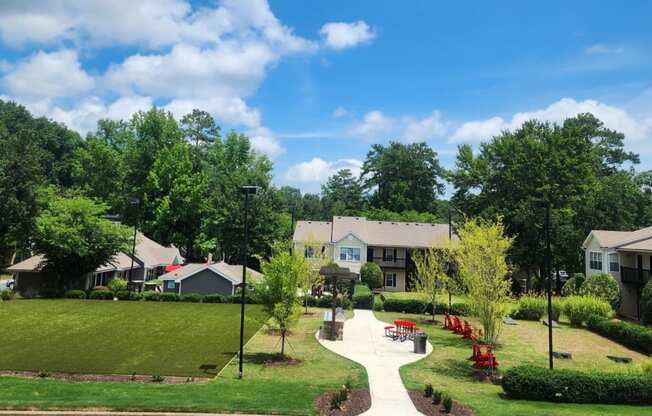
(232, 272)
(618, 239)
(375, 233)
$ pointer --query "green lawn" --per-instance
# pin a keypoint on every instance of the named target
(264, 389)
(448, 369)
(106, 337)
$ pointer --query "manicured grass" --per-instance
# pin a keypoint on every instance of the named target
(448, 369)
(107, 337)
(287, 390)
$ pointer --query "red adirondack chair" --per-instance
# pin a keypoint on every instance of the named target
(457, 325)
(467, 330)
(448, 323)
(485, 358)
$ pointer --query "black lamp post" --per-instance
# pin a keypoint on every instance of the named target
(549, 273)
(135, 202)
(451, 267)
(246, 190)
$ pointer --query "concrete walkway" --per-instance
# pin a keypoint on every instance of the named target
(365, 343)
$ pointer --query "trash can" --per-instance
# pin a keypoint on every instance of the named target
(420, 343)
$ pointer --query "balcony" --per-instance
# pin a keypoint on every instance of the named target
(634, 275)
(390, 262)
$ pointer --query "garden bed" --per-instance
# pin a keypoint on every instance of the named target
(134, 378)
(425, 406)
(358, 402)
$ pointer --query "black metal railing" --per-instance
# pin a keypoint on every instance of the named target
(634, 275)
(389, 261)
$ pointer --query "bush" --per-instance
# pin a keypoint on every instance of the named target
(128, 295)
(428, 390)
(152, 296)
(573, 285)
(326, 302)
(602, 286)
(646, 367)
(362, 297)
(372, 275)
(646, 303)
(214, 298)
(436, 397)
(100, 295)
(6, 294)
(169, 297)
(447, 402)
(570, 386)
(533, 308)
(75, 294)
(634, 336)
(417, 306)
(237, 298)
(378, 303)
(578, 309)
(192, 297)
(116, 285)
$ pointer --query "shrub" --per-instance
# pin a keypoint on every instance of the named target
(378, 303)
(646, 303)
(573, 285)
(447, 401)
(192, 297)
(128, 295)
(157, 378)
(570, 386)
(533, 308)
(436, 397)
(602, 286)
(214, 298)
(634, 336)
(152, 296)
(362, 297)
(75, 294)
(101, 288)
(326, 302)
(116, 285)
(428, 390)
(372, 275)
(417, 306)
(100, 295)
(6, 294)
(169, 297)
(578, 309)
(646, 367)
(237, 298)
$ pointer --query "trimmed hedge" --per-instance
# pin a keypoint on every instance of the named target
(169, 297)
(362, 297)
(646, 303)
(378, 303)
(151, 296)
(237, 298)
(100, 295)
(534, 308)
(602, 286)
(75, 294)
(569, 386)
(214, 298)
(127, 295)
(192, 297)
(634, 336)
(578, 309)
(417, 306)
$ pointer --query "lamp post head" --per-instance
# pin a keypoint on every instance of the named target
(249, 189)
(134, 201)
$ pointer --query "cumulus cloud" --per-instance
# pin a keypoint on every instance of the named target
(425, 129)
(264, 141)
(635, 129)
(318, 170)
(342, 35)
(376, 125)
(340, 112)
(373, 125)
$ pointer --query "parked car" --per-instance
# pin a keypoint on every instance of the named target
(8, 284)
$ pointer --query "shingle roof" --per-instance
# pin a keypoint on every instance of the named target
(375, 233)
(232, 272)
(612, 239)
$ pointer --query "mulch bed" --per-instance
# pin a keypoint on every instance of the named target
(277, 332)
(359, 401)
(137, 378)
(425, 406)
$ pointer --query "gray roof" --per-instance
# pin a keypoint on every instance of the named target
(232, 272)
(641, 239)
(374, 233)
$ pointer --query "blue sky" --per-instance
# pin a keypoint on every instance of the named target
(316, 83)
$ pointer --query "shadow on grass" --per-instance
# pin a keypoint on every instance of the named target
(210, 369)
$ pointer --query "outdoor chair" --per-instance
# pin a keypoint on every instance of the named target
(457, 325)
(485, 358)
(467, 330)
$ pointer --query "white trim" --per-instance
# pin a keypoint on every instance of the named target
(601, 260)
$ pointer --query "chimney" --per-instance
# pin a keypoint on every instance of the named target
(210, 258)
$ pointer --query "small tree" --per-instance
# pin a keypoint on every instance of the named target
(483, 270)
(277, 292)
(431, 273)
(372, 275)
(314, 254)
(117, 284)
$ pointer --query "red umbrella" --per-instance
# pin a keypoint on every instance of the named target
(172, 267)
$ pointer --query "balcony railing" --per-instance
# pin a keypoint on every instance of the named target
(634, 275)
(389, 262)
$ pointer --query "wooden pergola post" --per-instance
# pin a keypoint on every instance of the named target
(335, 272)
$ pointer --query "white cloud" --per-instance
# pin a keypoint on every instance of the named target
(48, 75)
(340, 112)
(342, 35)
(374, 125)
(602, 49)
(615, 118)
(426, 128)
(264, 141)
(231, 110)
(318, 170)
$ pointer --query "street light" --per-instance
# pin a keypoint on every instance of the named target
(246, 190)
(548, 274)
(133, 202)
(451, 268)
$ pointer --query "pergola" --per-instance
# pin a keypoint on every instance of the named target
(335, 273)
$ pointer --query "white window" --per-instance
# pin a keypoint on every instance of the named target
(350, 253)
(614, 262)
(389, 254)
(390, 279)
(595, 260)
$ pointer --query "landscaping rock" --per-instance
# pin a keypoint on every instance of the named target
(554, 323)
(618, 359)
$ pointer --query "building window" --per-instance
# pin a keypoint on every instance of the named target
(390, 279)
(595, 260)
(350, 253)
(389, 254)
(169, 284)
(309, 252)
(614, 262)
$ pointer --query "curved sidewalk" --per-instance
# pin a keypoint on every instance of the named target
(365, 343)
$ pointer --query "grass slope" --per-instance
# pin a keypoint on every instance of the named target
(448, 369)
(264, 389)
(106, 337)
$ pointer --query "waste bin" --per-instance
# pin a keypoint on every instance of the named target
(420, 343)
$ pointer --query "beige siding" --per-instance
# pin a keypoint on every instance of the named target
(350, 241)
(400, 280)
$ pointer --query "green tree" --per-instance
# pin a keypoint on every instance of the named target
(431, 273)
(371, 275)
(403, 177)
(342, 194)
(199, 128)
(278, 291)
(75, 238)
(481, 257)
